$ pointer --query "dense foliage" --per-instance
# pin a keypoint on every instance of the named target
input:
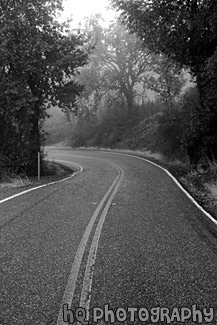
(115, 128)
(187, 32)
(117, 81)
(38, 61)
(119, 67)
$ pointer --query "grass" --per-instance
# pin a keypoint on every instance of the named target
(14, 181)
(142, 153)
(212, 188)
(11, 183)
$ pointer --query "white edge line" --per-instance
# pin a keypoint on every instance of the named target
(48, 184)
(167, 172)
(175, 181)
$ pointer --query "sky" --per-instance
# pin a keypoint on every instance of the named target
(84, 8)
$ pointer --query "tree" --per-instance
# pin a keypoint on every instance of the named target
(125, 63)
(121, 68)
(15, 113)
(39, 57)
(116, 67)
(185, 31)
(166, 79)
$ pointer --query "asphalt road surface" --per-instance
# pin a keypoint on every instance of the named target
(119, 240)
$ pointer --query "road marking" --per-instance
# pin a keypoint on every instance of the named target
(88, 277)
(175, 181)
(207, 214)
(72, 279)
(48, 184)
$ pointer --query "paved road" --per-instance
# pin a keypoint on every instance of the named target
(118, 234)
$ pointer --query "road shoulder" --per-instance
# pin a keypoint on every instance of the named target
(18, 184)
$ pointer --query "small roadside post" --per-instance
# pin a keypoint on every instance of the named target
(39, 167)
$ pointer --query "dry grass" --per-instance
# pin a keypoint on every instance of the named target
(212, 189)
(142, 153)
(14, 182)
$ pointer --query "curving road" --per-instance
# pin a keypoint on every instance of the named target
(120, 234)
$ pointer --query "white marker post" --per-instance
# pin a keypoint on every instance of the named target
(39, 167)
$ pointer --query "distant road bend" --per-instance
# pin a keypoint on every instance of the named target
(120, 241)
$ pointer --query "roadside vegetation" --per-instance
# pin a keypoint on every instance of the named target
(187, 33)
(114, 111)
(39, 57)
(146, 83)
(12, 183)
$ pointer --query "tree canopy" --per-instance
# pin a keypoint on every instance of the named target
(38, 60)
(121, 69)
(187, 32)
(184, 30)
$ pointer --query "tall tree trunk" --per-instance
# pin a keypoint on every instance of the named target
(130, 104)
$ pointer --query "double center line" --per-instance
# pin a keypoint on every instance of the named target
(101, 210)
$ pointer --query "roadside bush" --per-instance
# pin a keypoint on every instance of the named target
(113, 127)
(169, 133)
(110, 130)
(82, 132)
(148, 109)
(5, 165)
(103, 131)
(179, 127)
